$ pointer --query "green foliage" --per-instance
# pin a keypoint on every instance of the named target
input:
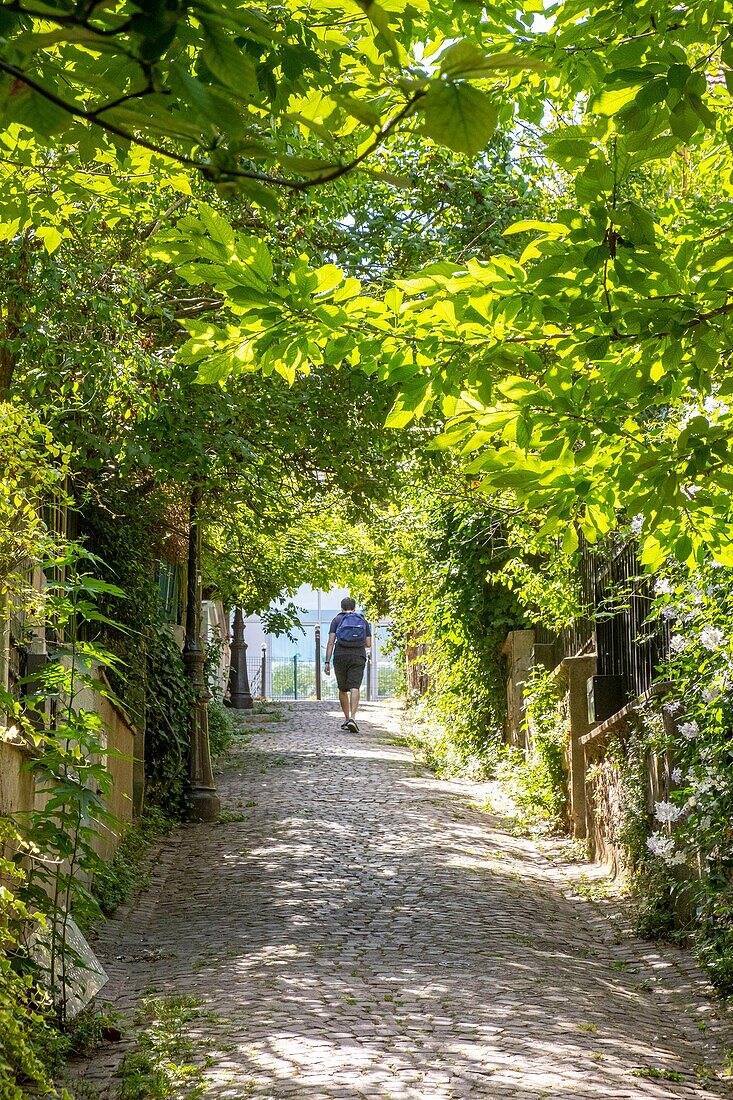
(128, 536)
(122, 877)
(222, 729)
(30, 1046)
(163, 1064)
(273, 95)
(692, 837)
(168, 716)
(435, 561)
(536, 779)
(586, 375)
(68, 764)
(34, 467)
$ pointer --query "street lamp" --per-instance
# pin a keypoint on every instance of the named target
(240, 695)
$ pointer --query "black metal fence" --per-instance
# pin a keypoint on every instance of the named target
(616, 599)
(629, 644)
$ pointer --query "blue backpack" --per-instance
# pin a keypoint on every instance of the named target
(352, 630)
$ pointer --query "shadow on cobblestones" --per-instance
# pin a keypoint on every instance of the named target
(363, 932)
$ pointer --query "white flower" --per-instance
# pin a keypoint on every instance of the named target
(678, 643)
(660, 844)
(712, 405)
(672, 708)
(711, 638)
(662, 587)
(676, 775)
(669, 612)
(677, 859)
(637, 523)
(710, 694)
(666, 812)
(689, 730)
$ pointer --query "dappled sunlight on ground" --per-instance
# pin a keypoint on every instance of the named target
(359, 930)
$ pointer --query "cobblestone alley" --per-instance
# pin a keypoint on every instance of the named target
(354, 928)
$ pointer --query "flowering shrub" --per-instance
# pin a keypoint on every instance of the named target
(693, 827)
(536, 781)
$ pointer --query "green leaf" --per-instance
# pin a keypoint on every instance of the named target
(229, 64)
(683, 121)
(571, 152)
(33, 110)
(613, 100)
(464, 60)
(552, 229)
(50, 236)
(379, 18)
(570, 539)
(459, 117)
(204, 99)
(360, 109)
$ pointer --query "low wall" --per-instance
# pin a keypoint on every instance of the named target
(17, 787)
(522, 654)
(608, 749)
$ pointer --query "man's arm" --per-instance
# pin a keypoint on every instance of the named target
(329, 650)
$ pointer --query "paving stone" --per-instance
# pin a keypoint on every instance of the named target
(364, 932)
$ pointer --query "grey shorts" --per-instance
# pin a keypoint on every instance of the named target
(349, 668)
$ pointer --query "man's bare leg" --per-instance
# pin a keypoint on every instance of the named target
(354, 694)
(345, 702)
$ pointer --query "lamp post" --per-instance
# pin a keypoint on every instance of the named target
(240, 695)
(205, 801)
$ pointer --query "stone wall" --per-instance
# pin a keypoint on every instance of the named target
(522, 654)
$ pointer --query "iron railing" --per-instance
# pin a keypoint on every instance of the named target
(616, 599)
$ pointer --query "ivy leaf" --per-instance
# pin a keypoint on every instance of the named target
(459, 116)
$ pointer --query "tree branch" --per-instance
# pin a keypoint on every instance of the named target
(209, 170)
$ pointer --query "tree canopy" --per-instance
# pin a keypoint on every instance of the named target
(581, 365)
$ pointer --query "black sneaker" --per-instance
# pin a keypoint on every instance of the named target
(352, 726)
(345, 725)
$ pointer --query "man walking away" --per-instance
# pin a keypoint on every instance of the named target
(349, 639)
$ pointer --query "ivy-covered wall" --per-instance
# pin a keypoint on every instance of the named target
(130, 536)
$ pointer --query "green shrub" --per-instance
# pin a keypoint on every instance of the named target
(31, 1047)
(537, 780)
(127, 872)
(222, 730)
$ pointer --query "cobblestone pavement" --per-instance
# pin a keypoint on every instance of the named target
(356, 929)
